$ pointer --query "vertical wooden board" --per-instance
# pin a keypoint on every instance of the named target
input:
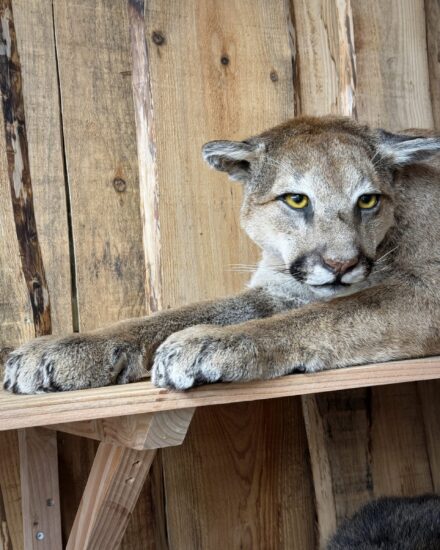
(432, 14)
(5, 537)
(216, 71)
(325, 55)
(241, 479)
(11, 487)
(400, 462)
(39, 488)
(16, 320)
(92, 42)
(393, 81)
(35, 41)
(92, 45)
(429, 392)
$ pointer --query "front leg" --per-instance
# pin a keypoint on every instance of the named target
(378, 324)
(122, 352)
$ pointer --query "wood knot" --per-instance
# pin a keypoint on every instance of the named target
(119, 185)
(158, 38)
(274, 76)
(224, 60)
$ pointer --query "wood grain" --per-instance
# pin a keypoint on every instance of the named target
(5, 538)
(393, 82)
(36, 46)
(39, 489)
(100, 148)
(265, 499)
(399, 453)
(321, 469)
(429, 392)
(11, 487)
(93, 52)
(21, 195)
(326, 57)
(432, 17)
(141, 431)
(113, 487)
(197, 97)
(20, 411)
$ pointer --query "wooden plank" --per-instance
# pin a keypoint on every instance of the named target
(393, 82)
(5, 538)
(41, 99)
(321, 469)
(141, 431)
(113, 487)
(21, 196)
(11, 487)
(432, 15)
(326, 57)
(232, 50)
(264, 500)
(100, 146)
(429, 392)
(16, 320)
(18, 411)
(39, 488)
(92, 46)
(399, 454)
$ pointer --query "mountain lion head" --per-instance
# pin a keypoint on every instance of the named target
(319, 196)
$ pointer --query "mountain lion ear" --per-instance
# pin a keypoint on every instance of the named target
(234, 157)
(401, 150)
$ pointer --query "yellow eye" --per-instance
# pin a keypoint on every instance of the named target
(367, 202)
(296, 201)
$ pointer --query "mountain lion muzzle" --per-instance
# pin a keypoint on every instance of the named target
(347, 219)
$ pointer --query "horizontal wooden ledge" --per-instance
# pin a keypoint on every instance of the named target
(22, 411)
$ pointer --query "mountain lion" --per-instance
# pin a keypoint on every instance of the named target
(348, 220)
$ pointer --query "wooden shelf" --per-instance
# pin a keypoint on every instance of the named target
(21, 411)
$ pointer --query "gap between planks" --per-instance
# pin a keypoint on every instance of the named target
(20, 411)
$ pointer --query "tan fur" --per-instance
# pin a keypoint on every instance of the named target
(299, 313)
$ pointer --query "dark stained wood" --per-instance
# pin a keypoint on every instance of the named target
(19, 172)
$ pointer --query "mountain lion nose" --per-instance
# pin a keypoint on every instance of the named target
(340, 267)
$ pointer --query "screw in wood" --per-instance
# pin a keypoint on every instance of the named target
(39, 535)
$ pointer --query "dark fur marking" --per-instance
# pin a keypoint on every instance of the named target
(297, 269)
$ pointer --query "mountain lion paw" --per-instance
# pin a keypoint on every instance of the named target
(74, 362)
(204, 354)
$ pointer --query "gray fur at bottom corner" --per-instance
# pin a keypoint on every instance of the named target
(392, 524)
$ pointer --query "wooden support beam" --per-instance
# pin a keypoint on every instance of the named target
(112, 490)
(39, 489)
(140, 431)
(10, 491)
(21, 411)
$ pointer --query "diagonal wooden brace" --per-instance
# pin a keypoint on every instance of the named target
(39, 489)
(123, 460)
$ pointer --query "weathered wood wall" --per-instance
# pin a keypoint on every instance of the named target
(118, 98)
